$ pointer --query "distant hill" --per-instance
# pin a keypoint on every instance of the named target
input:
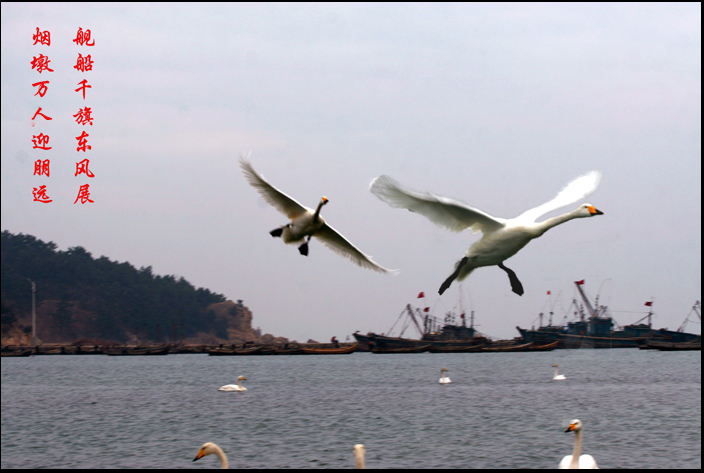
(96, 299)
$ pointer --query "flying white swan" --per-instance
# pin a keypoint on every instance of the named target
(234, 387)
(502, 238)
(210, 448)
(359, 456)
(306, 222)
(576, 461)
(558, 376)
(444, 379)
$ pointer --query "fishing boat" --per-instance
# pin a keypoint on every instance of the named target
(330, 351)
(594, 328)
(433, 333)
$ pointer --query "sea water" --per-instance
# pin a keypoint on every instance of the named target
(640, 409)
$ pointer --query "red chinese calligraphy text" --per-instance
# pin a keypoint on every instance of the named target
(82, 168)
(42, 87)
(83, 64)
(39, 112)
(41, 167)
(83, 85)
(41, 63)
(82, 142)
(42, 37)
(83, 194)
(83, 39)
(40, 195)
(84, 117)
(41, 141)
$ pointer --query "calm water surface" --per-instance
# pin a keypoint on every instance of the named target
(640, 409)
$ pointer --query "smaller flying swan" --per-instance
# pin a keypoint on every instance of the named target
(209, 449)
(234, 387)
(577, 461)
(306, 222)
(502, 237)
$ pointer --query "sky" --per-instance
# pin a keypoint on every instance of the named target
(496, 105)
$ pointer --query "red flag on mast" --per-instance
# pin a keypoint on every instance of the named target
(579, 283)
(421, 295)
(649, 303)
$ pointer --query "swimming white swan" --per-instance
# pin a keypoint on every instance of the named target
(444, 379)
(306, 222)
(359, 456)
(234, 387)
(576, 461)
(210, 448)
(502, 238)
(558, 376)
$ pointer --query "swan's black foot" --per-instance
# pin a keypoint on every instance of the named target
(516, 285)
(452, 276)
(276, 232)
(303, 249)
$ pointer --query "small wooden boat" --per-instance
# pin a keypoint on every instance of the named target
(536, 347)
(670, 346)
(411, 349)
(257, 350)
(456, 349)
(329, 351)
(16, 353)
(507, 348)
(133, 351)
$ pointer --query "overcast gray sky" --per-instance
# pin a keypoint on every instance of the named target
(496, 105)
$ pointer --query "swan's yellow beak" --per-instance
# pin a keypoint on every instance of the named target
(201, 454)
(594, 211)
(571, 428)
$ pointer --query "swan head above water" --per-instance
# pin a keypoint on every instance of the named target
(577, 461)
(444, 379)
(558, 376)
(235, 387)
(210, 448)
(359, 455)
(575, 425)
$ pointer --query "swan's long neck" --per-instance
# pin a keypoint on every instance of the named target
(239, 383)
(556, 368)
(543, 227)
(223, 459)
(577, 449)
(317, 210)
(359, 458)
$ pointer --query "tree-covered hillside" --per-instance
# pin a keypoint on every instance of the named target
(79, 296)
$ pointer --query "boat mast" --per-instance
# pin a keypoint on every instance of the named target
(588, 304)
(34, 341)
(696, 308)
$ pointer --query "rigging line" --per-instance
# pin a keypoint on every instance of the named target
(394, 325)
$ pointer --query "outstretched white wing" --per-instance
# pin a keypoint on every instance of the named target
(574, 191)
(340, 245)
(442, 211)
(283, 203)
